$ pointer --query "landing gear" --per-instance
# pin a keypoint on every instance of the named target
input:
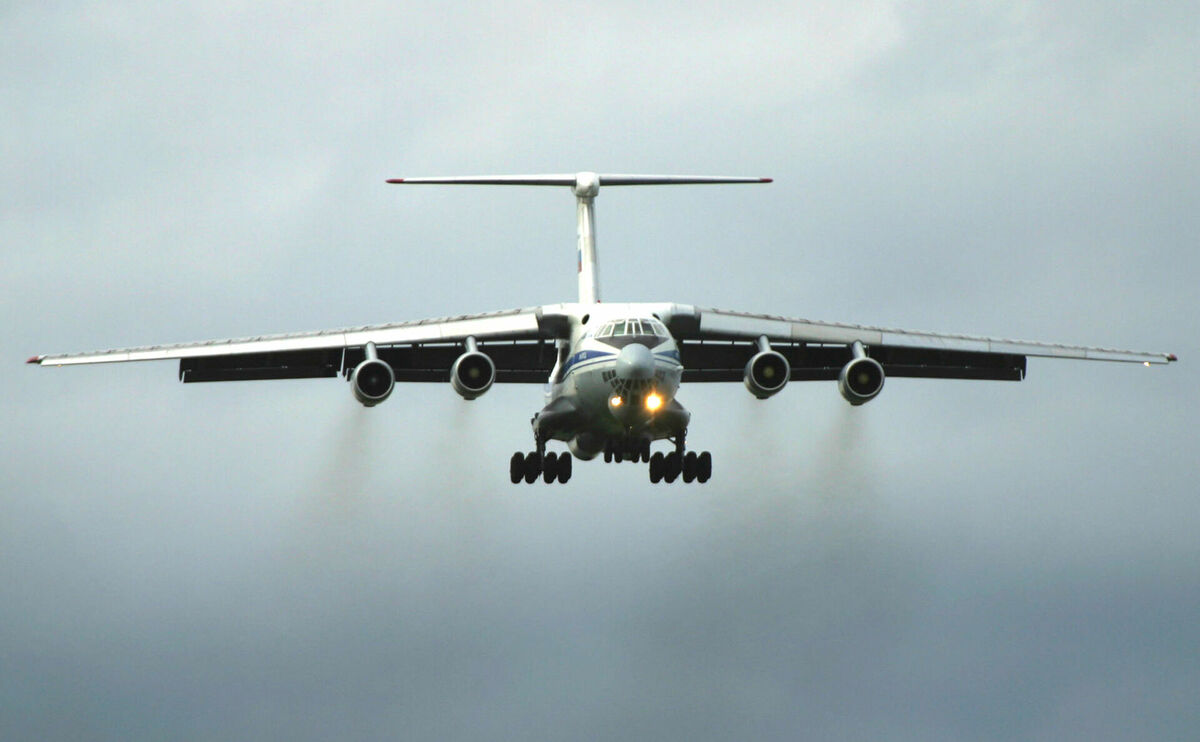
(516, 467)
(550, 467)
(691, 466)
(533, 466)
(633, 449)
(673, 466)
(703, 467)
(658, 466)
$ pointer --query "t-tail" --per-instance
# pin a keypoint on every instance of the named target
(585, 186)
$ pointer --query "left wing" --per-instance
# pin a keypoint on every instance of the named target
(715, 345)
(519, 341)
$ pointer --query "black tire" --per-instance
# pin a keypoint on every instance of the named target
(608, 454)
(657, 467)
(646, 450)
(549, 467)
(689, 467)
(516, 467)
(703, 467)
(533, 466)
(564, 467)
(673, 466)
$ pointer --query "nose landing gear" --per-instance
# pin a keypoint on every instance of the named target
(633, 449)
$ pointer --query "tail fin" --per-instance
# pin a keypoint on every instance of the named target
(585, 186)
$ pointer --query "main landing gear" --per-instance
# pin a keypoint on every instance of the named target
(549, 466)
(691, 466)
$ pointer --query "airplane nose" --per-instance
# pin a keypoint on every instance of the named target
(635, 362)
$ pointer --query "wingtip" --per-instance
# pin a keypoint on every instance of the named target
(35, 359)
(395, 180)
(1172, 357)
(766, 180)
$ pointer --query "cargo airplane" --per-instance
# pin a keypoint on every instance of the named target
(612, 372)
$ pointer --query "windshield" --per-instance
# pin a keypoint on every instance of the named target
(633, 326)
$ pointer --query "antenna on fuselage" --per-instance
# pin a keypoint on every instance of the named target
(585, 186)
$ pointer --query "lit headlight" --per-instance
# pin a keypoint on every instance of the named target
(653, 401)
(615, 400)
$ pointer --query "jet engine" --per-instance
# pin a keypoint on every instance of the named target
(473, 372)
(767, 372)
(372, 379)
(861, 379)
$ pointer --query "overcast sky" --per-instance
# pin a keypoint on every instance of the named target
(955, 560)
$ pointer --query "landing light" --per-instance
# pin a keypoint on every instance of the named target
(615, 400)
(653, 401)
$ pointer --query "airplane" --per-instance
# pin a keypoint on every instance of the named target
(611, 372)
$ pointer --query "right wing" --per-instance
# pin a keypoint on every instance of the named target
(520, 342)
(716, 344)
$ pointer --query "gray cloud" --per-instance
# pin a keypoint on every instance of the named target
(954, 560)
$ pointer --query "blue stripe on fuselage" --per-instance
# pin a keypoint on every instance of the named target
(584, 355)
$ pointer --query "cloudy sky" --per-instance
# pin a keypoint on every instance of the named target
(955, 560)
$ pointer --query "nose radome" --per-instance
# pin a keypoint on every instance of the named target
(635, 362)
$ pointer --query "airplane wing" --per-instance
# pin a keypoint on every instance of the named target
(715, 345)
(520, 343)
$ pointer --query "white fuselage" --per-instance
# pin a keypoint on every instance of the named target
(617, 376)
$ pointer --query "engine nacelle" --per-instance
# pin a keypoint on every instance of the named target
(861, 380)
(372, 381)
(767, 373)
(472, 374)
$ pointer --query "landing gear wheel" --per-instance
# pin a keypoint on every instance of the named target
(564, 467)
(608, 454)
(657, 467)
(703, 467)
(516, 467)
(533, 466)
(549, 467)
(689, 466)
(646, 450)
(672, 466)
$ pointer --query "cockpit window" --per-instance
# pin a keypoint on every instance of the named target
(632, 326)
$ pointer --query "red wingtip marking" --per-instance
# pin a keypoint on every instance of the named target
(1172, 357)
(766, 180)
(395, 180)
(34, 359)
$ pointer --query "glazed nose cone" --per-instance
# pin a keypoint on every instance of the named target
(635, 362)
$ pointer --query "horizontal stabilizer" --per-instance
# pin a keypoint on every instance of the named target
(570, 179)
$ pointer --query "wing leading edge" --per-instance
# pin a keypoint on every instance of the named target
(520, 342)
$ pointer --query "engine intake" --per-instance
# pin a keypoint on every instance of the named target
(767, 372)
(861, 379)
(372, 380)
(473, 372)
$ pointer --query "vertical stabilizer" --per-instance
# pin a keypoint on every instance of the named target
(587, 185)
